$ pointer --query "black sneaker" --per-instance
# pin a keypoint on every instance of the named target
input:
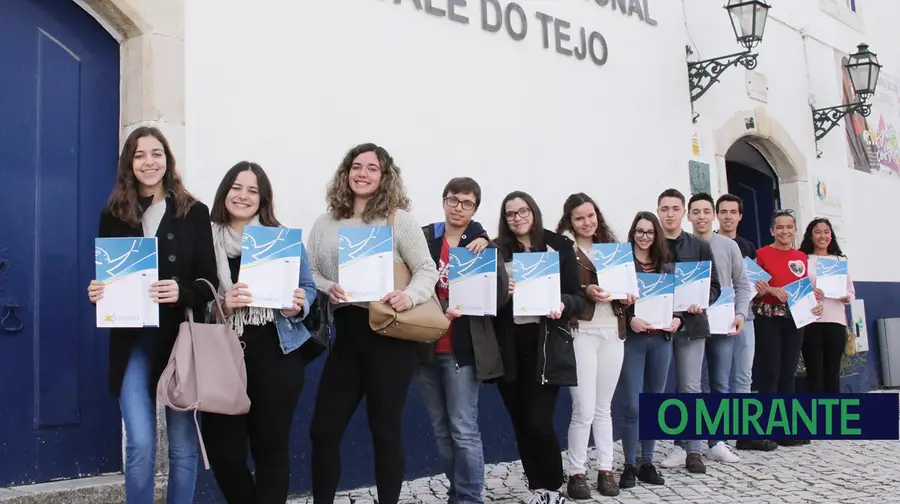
(648, 474)
(578, 487)
(629, 476)
(606, 484)
(694, 464)
(756, 444)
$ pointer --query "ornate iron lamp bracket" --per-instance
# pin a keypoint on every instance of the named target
(825, 119)
(703, 74)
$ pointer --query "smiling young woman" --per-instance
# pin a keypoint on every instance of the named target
(150, 200)
(365, 190)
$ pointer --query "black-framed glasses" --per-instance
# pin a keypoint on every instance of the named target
(649, 233)
(523, 212)
(452, 202)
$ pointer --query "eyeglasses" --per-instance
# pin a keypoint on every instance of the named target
(782, 211)
(452, 202)
(523, 212)
(638, 233)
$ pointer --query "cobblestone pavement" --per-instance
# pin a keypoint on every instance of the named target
(851, 472)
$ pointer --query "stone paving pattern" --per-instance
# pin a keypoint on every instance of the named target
(857, 472)
(834, 472)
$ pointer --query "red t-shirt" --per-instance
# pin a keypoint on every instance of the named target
(785, 266)
(444, 345)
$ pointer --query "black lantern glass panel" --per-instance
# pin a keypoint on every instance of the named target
(863, 68)
(748, 18)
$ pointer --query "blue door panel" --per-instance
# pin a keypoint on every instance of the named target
(757, 189)
(59, 106)
(56, 234)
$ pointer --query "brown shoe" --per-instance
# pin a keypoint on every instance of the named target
(694, 464)
(578, 487)
(606, 484)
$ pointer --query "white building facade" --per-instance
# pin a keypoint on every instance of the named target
(550, 98)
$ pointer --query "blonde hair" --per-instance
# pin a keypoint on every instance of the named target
(390, 196)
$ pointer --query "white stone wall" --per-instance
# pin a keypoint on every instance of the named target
(293, 85)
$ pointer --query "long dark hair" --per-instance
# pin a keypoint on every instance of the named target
(390, 196)
(123, 202)
(808, 247)
(603, 234)
(266, 211)
(659, 251)
(506, 239)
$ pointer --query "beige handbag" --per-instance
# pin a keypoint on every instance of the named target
(424, 323)
(206, 371)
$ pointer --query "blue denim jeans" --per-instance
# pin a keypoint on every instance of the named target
(719, 357)
(139, 414)
(689, 354)
(450, 396)
(645, 368)
(742, 359)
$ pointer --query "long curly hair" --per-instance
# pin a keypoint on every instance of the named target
(123, 202)
(603, 234)
(390, 196)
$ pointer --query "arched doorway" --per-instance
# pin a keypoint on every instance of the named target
(752, 178)
(757, 159)
(58, 154)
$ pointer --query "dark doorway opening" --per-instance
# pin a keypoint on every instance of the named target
(751, 177)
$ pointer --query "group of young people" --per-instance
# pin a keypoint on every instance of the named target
(593, 345)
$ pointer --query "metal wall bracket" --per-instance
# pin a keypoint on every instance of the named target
(825, 119)
(703, 74)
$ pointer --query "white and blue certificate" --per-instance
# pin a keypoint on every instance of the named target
(127, 267)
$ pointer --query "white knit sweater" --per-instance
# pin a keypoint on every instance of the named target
(410, 247)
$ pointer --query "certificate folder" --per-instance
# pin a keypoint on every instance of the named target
(473, 281)
(366, 262)
(127, 267)
(537, 290)
(270, 265)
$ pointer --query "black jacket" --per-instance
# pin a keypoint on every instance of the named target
(473, 339)
(556, 355)
(689, 248)
(185, 248)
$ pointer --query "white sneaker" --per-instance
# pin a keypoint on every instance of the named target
(721, 452)
(675, 458)
(540, 497)
(557, 498)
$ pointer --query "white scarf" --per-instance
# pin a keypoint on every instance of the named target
(227, 243)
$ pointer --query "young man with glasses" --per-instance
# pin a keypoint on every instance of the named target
(453, 368)
(689, 344)
(729, 212)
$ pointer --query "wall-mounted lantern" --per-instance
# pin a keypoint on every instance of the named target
(863, 69)
(748, 19)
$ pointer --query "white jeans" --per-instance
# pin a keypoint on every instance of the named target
(598, 358)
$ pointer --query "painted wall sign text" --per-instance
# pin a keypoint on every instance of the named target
(573, 41)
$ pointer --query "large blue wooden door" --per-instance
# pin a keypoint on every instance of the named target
(759, 192)
(59, 129)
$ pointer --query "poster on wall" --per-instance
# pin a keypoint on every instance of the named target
(873, 145)
(857, 325)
